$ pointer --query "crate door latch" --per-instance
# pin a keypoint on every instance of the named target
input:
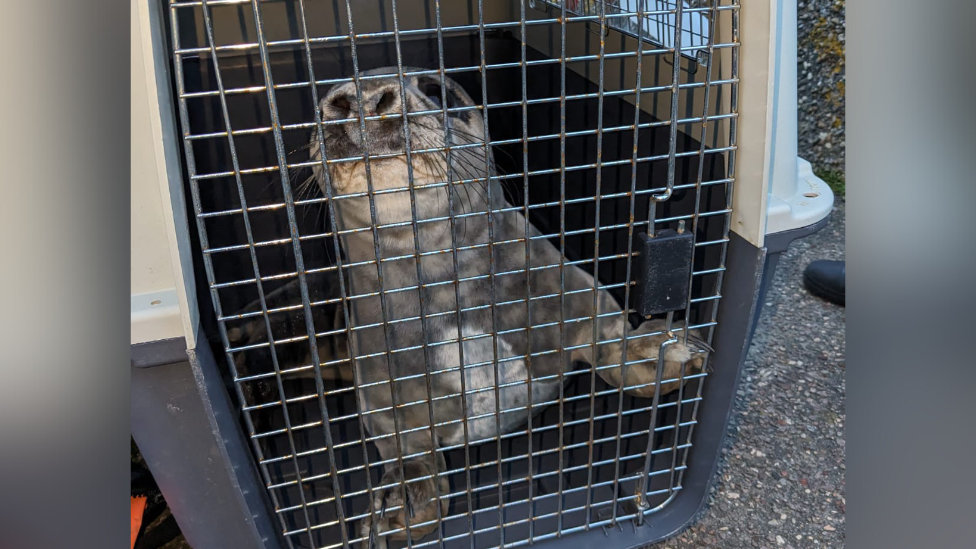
(664, 270)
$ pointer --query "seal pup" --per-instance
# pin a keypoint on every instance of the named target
(415, 396)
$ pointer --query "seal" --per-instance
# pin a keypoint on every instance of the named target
(458, 342)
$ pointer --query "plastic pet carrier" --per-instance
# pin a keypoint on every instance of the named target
(456, 274)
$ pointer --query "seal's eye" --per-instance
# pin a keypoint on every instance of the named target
(433, 92)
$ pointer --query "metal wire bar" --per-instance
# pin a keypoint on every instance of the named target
(452, 29)
(519, 175)
(632, 434)
(538, 206)
(254, 265)
(460, 70)
(675, 79)
(528, 258)
(733, 136)
(452, 197)
(516, 175)
(466, 309)
(491, 256)
(643, 504)
(543, 537)
(483, 336)
(298, 257)
(596, 257)
(642, 482)
(376, 247)
(338, 258)
(623, 20)
(256, 377)
(511, 482)
(208, 267)
(497, 142)
(694, 231)
(276, 242)
(420, 279)
(562, 257)
(630, 250)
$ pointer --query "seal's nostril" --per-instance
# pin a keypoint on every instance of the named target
(342, 104)
(385, 103)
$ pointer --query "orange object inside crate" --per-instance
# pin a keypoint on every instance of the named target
(135, 515)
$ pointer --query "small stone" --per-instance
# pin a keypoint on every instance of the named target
(730, 495)
(828, 528)
(779, 539)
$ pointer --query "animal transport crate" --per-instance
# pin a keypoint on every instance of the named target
(357, 224)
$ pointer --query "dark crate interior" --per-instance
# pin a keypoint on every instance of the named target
(258, 150)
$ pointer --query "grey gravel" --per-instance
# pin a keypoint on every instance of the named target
(782, 472)
(820, 82)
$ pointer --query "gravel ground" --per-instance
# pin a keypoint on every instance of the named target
(782, 472)
(821, 77)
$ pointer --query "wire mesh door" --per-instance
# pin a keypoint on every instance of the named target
(418, 224)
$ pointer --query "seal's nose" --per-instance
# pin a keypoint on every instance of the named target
(379, 100)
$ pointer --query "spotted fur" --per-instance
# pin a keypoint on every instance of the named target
(412, 196)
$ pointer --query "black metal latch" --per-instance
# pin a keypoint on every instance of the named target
(664, 270)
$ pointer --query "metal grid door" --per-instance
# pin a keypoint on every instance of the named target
(593, 121)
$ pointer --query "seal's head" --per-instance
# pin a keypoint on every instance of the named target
(366, 118)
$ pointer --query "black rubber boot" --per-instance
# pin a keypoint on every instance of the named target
(825, 279)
